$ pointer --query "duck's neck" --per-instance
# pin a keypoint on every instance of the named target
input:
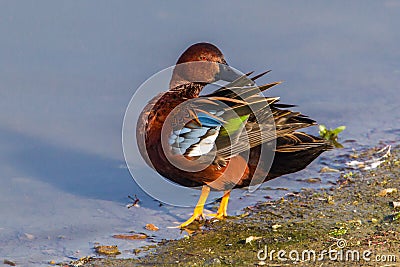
(189, 89)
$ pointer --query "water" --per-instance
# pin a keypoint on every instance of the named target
(68, 71)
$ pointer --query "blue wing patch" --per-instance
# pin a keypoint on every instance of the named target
(194, 139)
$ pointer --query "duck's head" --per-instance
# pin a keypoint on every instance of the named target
(201, 64)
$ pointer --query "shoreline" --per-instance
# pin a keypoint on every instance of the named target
(358, 218)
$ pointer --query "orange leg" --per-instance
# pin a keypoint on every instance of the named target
(221, 213)
(198, 210)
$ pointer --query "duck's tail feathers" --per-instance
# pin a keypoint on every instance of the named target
(296, 151)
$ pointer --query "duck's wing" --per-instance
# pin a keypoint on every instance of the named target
(236, 118)
(268, 120)
(214, 122)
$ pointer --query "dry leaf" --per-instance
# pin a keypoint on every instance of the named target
(252, 238)
(395, 204)
(151, 227)
(276, 226)
(313, 180)
(131, 236)
(11, 263)
(107, 250)
(386, 191)
(327, 169)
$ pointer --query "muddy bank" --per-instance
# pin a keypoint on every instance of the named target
(354, 222)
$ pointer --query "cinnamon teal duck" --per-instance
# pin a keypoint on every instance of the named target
(230, 138)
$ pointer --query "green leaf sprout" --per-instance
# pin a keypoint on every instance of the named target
(331, 134)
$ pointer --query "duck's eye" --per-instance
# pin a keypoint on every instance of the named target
(203, 58)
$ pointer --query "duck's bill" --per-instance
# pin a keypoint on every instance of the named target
(227, 74)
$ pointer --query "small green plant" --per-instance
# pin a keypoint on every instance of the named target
(348, 175)
(331, 135)
(339, 231)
